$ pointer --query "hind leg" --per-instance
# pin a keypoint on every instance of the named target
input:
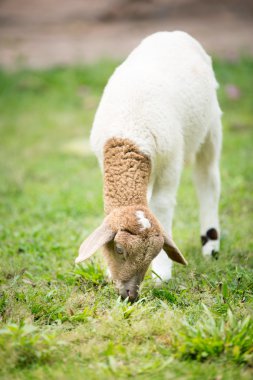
(207, 182)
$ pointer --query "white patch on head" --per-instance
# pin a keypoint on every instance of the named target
(142, 220)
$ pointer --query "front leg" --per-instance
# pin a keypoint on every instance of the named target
(162, 205)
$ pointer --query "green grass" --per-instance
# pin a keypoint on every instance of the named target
(61, 321)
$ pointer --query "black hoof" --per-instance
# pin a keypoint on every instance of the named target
(215, 255)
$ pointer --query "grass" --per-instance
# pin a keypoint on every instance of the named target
(62, 321)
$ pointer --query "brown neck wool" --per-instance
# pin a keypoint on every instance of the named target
(126, 174)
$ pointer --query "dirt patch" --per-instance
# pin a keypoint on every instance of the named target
(44, 33)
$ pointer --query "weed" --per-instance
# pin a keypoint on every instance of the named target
(211, 337)
(24, 345)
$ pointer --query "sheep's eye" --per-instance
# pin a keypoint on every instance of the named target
(128, 231)
(119, 249)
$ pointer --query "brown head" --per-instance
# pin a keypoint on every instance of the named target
(131, 238)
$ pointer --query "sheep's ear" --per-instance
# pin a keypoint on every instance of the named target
(172, 251)
(102, 235)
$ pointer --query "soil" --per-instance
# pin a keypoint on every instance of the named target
(40, 33)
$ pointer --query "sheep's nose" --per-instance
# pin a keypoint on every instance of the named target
(132, 295)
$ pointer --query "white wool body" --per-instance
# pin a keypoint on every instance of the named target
(163, 98)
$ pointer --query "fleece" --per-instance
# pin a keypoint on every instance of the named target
(126, 175)
(162, 98)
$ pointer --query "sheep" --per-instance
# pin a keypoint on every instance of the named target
(158, 111)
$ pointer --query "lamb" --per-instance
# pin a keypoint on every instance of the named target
(158, 111)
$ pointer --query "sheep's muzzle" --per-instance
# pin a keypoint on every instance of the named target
(129, 289)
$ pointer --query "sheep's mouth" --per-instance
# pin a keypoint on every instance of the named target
(132, 298)
(129, 289)
(130, 295)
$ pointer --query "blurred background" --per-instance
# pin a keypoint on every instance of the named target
(43, 33)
